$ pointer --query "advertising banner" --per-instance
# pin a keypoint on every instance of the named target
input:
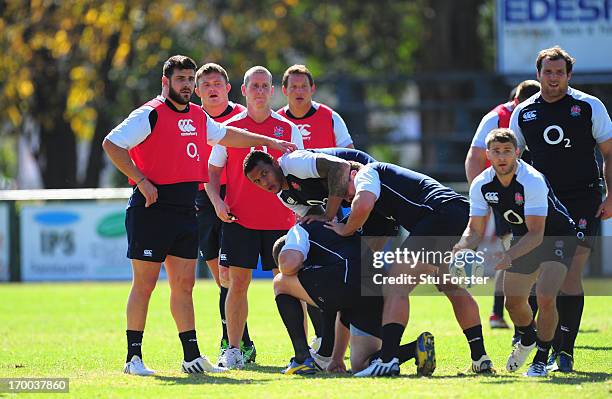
(74, 241)
(582, 27)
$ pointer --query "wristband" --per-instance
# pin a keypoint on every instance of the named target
(140, 181)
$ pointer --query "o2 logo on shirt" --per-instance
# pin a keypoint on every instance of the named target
(313, 202)
(560, 138)
(192, 151)
(513, 217)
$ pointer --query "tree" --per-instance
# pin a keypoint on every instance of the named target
(70, 64)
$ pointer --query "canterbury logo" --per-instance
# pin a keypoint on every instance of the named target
(304, 130)
(185, 125)
(492, 197)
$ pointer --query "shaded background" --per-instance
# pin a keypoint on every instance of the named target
(411, 78)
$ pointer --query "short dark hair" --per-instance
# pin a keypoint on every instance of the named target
(254, 158)
(501, 135)
(178, 62)
(209, 68)
(554, 54)
(297, 69)
(526, 89)
(355, 165)
(276, 248)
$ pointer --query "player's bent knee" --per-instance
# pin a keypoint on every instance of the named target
(278, 284)
(514, 304)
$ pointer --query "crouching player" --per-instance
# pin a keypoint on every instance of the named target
(543, 244)
(322, 268)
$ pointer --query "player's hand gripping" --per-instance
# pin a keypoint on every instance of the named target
(149, 191)
(314, 218)
(336, 366)
(223, 212)
(503, 260)
(282, 146)
(339, 228)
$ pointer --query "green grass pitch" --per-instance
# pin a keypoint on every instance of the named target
(77, 331)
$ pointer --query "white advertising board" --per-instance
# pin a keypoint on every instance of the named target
(582, 27)
(74, 241)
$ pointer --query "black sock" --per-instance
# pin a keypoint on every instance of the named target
(190, 345)
(527, 333)
(291, 312)
(328, 334)
(498, 305)
(570, 315)
(391, 337)
(134, 344)
(533, 304)
(246, 339)
(222, 297)
(476, 341)
(542, 351)
(316, 317)
(558, 338)
(405, 353)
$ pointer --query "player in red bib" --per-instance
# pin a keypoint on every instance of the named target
(320, 126)
(476, 161)
(213, 87)
(254, 219)
(160, 147)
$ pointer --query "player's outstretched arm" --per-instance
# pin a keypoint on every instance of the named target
(241, 138)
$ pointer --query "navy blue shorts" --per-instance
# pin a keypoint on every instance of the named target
(558, 249)
(158, 231)
(440, 230)
(326, 287)
(378, 226)
(365, 316)
(242, 247)
(582, 206)
(209, 227)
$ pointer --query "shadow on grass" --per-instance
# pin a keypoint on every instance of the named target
(577, 377)
(198, 379)
(594, 348)
(589, 331)
(275, 370)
